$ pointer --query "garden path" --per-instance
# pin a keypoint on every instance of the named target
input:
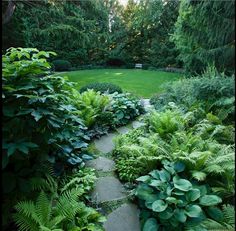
(109, 193)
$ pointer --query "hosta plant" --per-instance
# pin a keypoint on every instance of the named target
(169, 201)
(125, 108)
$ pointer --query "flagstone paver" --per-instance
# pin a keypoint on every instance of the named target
(124, 218)
(102, 164)
(123, 130)
(107, 189)
(105, 144)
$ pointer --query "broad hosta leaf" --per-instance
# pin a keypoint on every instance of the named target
(155, 174)
(143, 178)
(155, 183)
(182, 184)
(193, 210)
(151, 225)
(143, 192)
(180, 216)
(209, 200)
(159, 206)
(164, 175)
(193, 194)
(166, 214)
(179, 167)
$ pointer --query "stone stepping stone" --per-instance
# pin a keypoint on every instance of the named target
(102, 164)
(105, 143)
(123, 130)
(137, 124)
(108, 188)
(125, 218)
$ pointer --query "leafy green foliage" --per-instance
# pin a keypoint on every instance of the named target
(92, 105)
(172, 200)
(125, 108)
(39, 112)
(56, 213)
(204, 33)
(61, 65)
(214, 94)
(102, 88)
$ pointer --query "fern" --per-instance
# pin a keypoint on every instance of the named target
(227, 223)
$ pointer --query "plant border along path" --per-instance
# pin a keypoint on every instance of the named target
(109, 194)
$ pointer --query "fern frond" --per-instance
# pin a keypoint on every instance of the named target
(43, 208)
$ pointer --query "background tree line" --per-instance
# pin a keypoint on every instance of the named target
(186, 33)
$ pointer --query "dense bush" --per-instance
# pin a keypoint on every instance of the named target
(102, 88)
(125, 107)
(60, 204)
(40, 123)
(212, 91)
(61, 65)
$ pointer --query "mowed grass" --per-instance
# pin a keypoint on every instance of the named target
(142, 83)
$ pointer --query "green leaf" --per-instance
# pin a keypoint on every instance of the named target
(200, 176)
(164, 175)
(193, 194)
(144, 192)
(179, 166)
(193, 210)
(151, 225)
(155, 174)
(166, 214)
(180, 216)
(143, 178)
(215, 213)
(209, 200)
(155, 183)
(159, 206)
(37, 116)
(172, 200)
(182, 184)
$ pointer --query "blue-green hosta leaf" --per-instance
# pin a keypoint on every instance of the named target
(144, 192)
(210, 200)
(74, 160)
(182, 184)
(180, 215)
(86, 157)
(155, 174)
(172, 200)
(151, 225)
(80, 144)
(156, 183)
(193, 194)
(179, 166)
(166, 214)
(164, 175)
(193, 210)
(159, 206)
(143, 178)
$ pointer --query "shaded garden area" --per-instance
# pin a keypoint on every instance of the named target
(92, 144)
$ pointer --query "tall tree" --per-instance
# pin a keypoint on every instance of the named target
(205, 34)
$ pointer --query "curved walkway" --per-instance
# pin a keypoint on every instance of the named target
(109, 193)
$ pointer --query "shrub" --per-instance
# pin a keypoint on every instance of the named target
(211, 91)
(102, 88)
(169, 201)
(61, 65)
(125, 107)
(95, 110)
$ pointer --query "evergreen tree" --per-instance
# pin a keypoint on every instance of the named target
(204, 34)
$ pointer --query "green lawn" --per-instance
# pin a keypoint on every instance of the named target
(140, 82)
